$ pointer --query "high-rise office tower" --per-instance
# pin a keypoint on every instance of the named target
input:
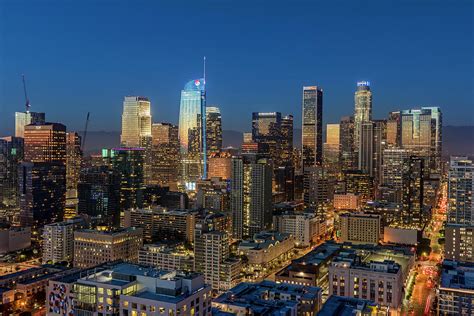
(332, 149)
(73, 160)
(461, 191)
(43, 175)
(267, 130)
(366, 148)
(287, 139)
(394, 129)
(136, 121)
(128, 163)
(11, 154)
(394, 160)
(312, 129)
(359, 183)
(284, 181)
(220, 165)
(251, 195)
(99, 194)
(192, 132)
(25, 118)
(165, 155)
(380, 143)
(315, 188)
(348, 154)
(413, 193)
(213, 129)
(363, 109)
(437, 142)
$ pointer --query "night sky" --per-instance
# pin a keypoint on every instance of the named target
(81, 56)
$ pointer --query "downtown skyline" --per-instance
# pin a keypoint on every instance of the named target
(267, 73)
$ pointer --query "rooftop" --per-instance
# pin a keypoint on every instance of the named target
(346, 306)
(457, 275)
(264, 240)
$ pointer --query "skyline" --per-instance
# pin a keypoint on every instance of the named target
(244, 62)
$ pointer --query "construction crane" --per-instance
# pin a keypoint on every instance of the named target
(27, 101)
(83, 146)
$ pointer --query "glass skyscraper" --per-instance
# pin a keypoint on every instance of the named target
(192, 131)
(136, 122)
(363, 109)
(312, 138)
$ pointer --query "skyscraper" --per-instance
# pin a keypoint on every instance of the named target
(165, 155)
(251, 195)
(394, 160)
(73, 160)
(214, 129)
(437, 134)
(25, 118)
(136, 121)
(363, 109)
(461, 191)
(413, 193)
(394, 129)
(287, 139)
(348, 155)
(192, 131)
(11, 154)
(315, 188)
(366, 148)
(312, 130)
(43, 174)
(266, 129)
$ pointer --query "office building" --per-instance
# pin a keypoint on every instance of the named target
(413, 212)
(136, 121)
(461, 191)
(267, 130)
(58, 241)
(99, 193)
(220, 165)
(394, 162)
(287, 139)
(312, 129)
(14, 238)
(394, 129)
(332, 148)
(270, 298)
(306, 228)
(26, 118)
(192, 132)
(359, 183)
(251, 195)
(455, 292)
(161, 223)
(73, 160)
(213, 129)
(213, 194)
(348, 201)
(11, 154)
(284, 182)
(347, 144)
(165, 155)
(360, 228)
(129, 289)
(366, 147)
(315, 188)
(165, 257)
(459, 242)
(93, 247)
(363, 110)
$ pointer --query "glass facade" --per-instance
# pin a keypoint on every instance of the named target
(312, 130)
(136, 121)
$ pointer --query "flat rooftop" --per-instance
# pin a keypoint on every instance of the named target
(346, 306)
(457, 275)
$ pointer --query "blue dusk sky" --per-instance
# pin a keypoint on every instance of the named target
(81, 56)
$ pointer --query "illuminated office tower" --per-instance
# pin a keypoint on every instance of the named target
(461, 191)
(346, 134)
(413, 193)
(315, 188)
(43, 174)
(267, 130)
(251, 195)
(394, 129)
(312, 129)
(128, 163)
(437, 141)
(220, 165)
(394, 160)
(73, 160)
(192, 132)
(11, 154)
(359, 183)
(99, 194)
(25, 118)
(363, 109)
(332, 148)
(287, 139)
(380, 143)
(136, 121)
(247, 137)
(165, 155)
(214, 129)
(284, 181)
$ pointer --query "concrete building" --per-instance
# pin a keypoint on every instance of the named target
(14, 238)
(58, 241)
(220, 165)
(456, 289)
(265, 249)
(129, 289)
(344, 306)
(461, 191)
(93, 247)
(346, 201)
(269, 298)
(306, 228)
(176, 224)
(166, 257)
(459, 242)
(360, 228)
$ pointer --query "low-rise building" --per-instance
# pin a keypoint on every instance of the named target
(306, 228)
(94, 247)
(347, 201)
(344, 306)
(166, 257)
(265, 249)
(269, 298)
(360, 228)
(456, 289)
(14, 238)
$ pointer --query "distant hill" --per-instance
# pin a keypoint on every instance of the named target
(457, 140)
